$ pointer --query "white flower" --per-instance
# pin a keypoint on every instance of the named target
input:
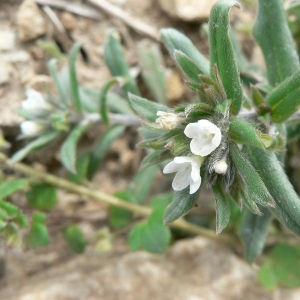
(221, 166)
(188, 172)
(35, 102)
(31, 128)
(167, 120)
(206, 137)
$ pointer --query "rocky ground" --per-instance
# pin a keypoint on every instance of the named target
(191, 269)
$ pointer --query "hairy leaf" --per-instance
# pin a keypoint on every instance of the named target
(68, 148)
(181, 204)
(221, 52)
(222, 208)
(117, 64)
(174, 40)
(145, 108)
(285, 99)
(101, 148)
(38, 234)
(275, 40)
(244, 133)
(74, 236)
(254, 230)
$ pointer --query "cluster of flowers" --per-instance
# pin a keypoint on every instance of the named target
(206, 137)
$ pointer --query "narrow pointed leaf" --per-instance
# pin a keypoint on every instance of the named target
(190, 69)
(101, 148)
(244, 133)
(275, 40)
(68, 148)
(145, 108)
(117, 64)
(37, 144)
(222, 208)
(254, 230)
(287, 208)
(181, 204)
(152, 72)
(221, 52)
(103, 99)
(74, 85)
(285, 99)
(255, 188)
(175, 40)
(56, 78)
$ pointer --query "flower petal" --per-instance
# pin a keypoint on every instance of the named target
(181, 179)
(217, 138)
(183, 159)
(195, 172)
(171, 167)
(195, 185)
(191, 130)
(198, 148)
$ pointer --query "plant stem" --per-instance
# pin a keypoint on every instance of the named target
(111, 200)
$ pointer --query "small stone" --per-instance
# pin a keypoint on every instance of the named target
(7, 39)
(188, 10)
(31, 23)
(175, 87)
(68, 21)
(5, 71)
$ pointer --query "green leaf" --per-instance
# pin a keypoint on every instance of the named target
(142, 182)
(182, 203)
(42, 196)
(101, 148)
(244, 133)
(58, 84)
(37, 144)
(74, 236)
(254, 231)
(117, 64)
(82, 165)
(74, 85)
(119, 217)
(190, 69)
(174, 40)
(222, 208)
(275, 40)
(221, 52)
(152, 235)
(255, 189)
(10, 186)
(103, 99)
(287, 208)
(145, 108)
(68, 148)
(281, 268)
(13, 213)
(285, 99)
(38, 234)
(152, 71)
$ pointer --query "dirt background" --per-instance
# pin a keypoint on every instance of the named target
(192, 268)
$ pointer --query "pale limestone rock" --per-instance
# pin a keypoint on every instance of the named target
(174, 85)
(188, 10)
(192, 269)
(7, 39)
(31, 23)
(5, 71)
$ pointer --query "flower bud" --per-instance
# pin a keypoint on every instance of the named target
(221, 166)
(35, 102)
(167, 120)
(31, 128)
